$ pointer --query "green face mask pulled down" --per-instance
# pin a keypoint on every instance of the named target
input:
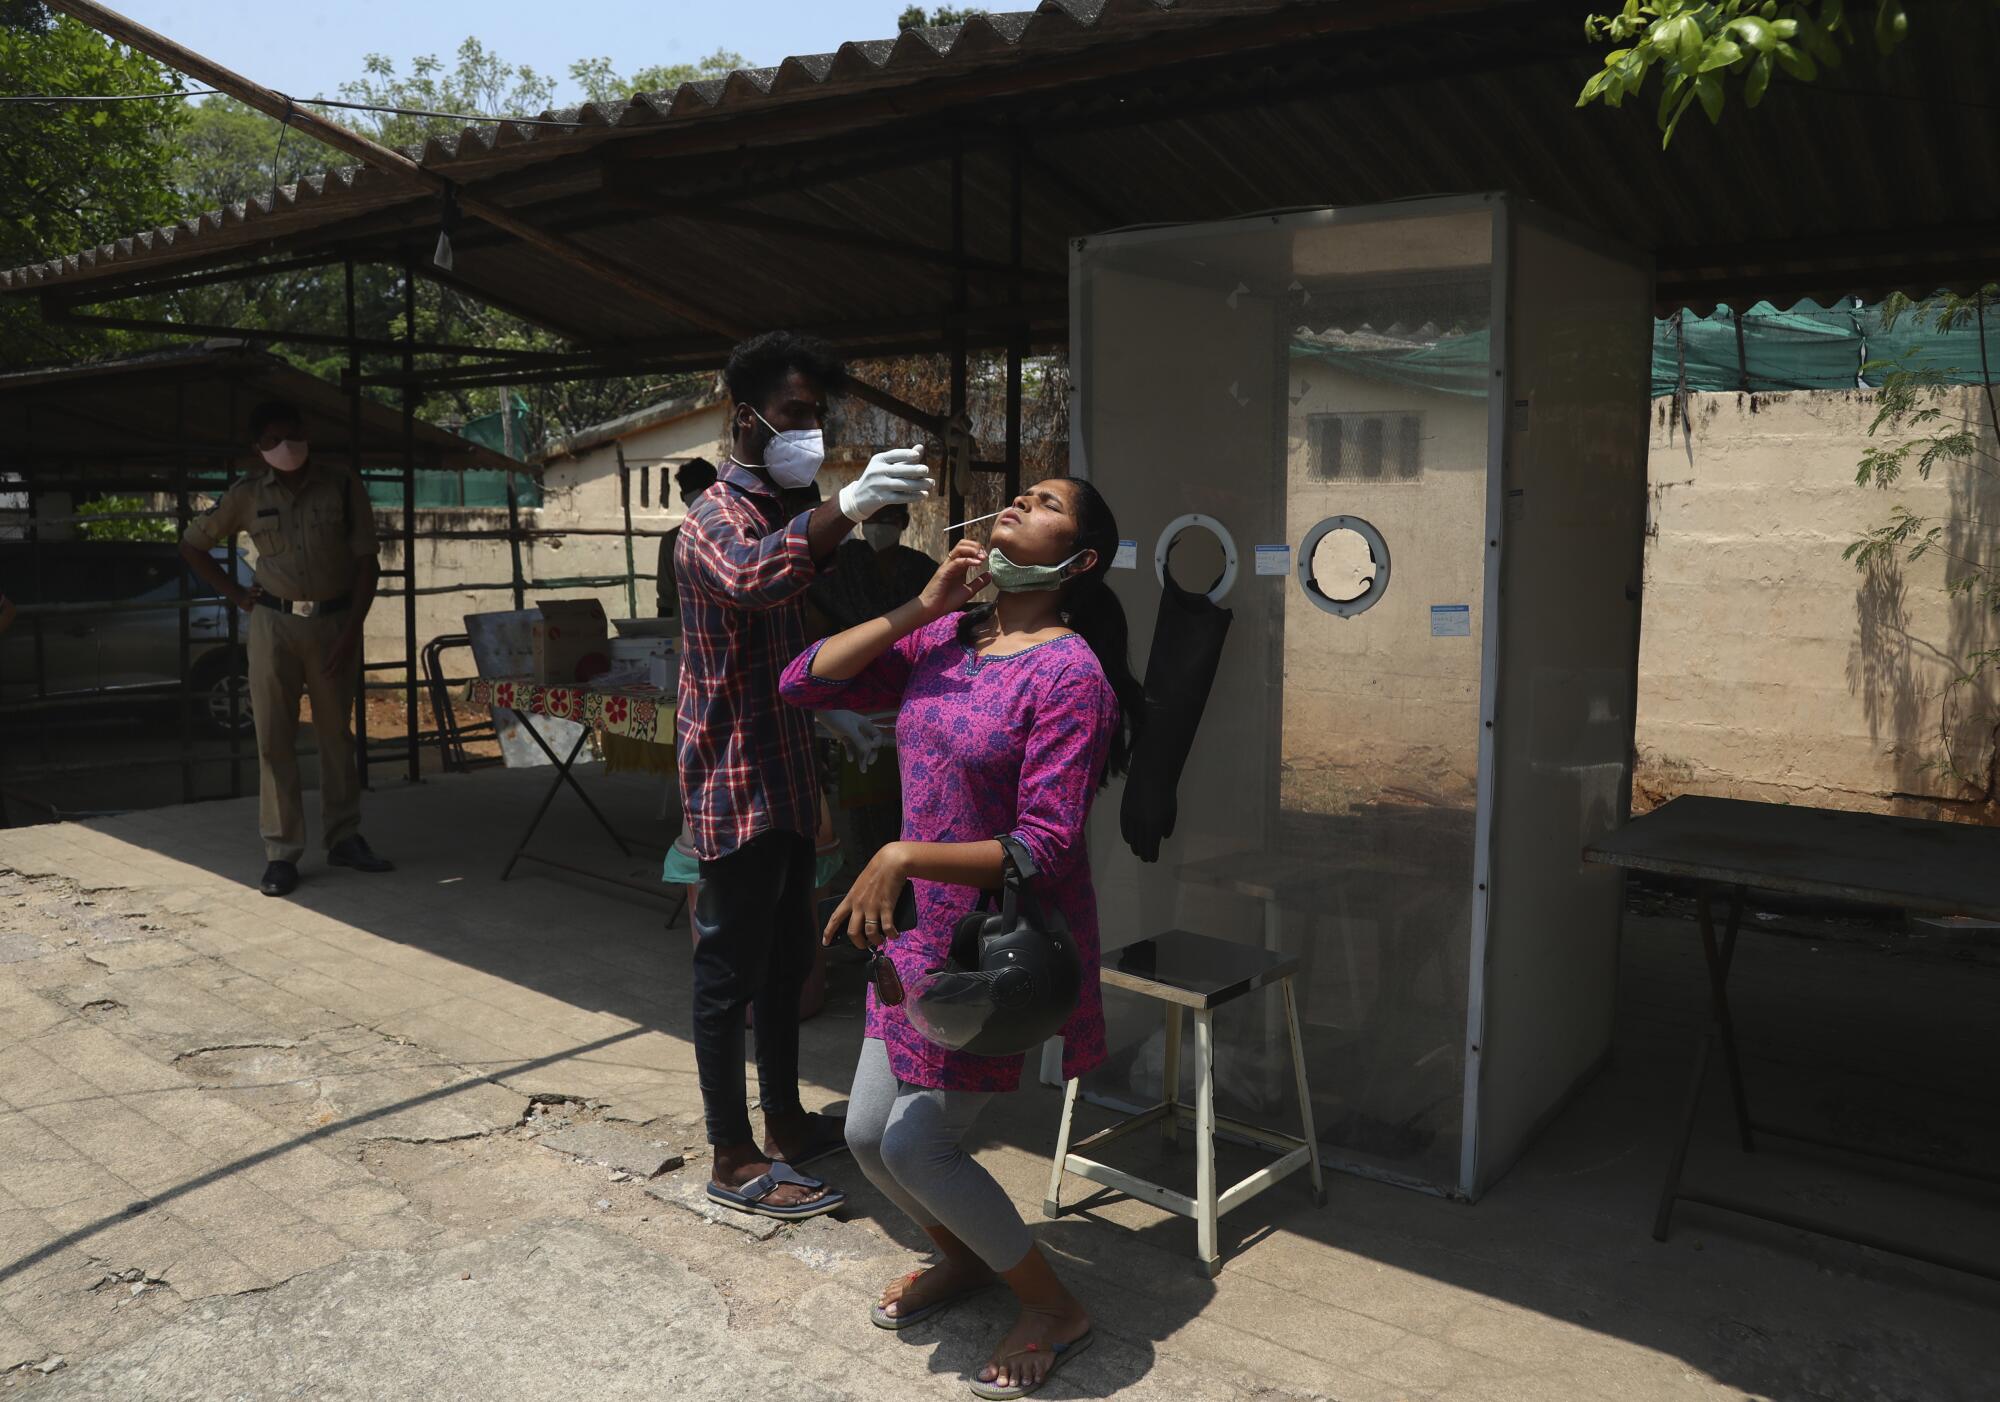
(1010, 578)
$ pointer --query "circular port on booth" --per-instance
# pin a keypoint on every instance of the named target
(1200, 554)
(1344, 566)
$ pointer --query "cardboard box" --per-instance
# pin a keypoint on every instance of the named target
(570, 640)
(645, 661)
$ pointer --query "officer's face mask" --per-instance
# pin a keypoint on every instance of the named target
(793, 455)
(880, 535)
(288, 456)
(1010, 578)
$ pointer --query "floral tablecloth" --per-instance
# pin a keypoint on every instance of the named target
(641, 713)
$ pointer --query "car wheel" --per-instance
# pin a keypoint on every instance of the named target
(223, 698)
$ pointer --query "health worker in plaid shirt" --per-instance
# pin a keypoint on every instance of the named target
(743, 564)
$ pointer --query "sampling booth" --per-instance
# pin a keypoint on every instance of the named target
(1401, 450)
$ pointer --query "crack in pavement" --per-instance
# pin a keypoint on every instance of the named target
(237, 1165)
(234, 1046)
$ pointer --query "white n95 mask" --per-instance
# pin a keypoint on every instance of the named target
(288, 456)
(793, 455)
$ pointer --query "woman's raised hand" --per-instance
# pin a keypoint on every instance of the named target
(958, 579)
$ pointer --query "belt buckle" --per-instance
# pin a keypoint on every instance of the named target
(305, 608)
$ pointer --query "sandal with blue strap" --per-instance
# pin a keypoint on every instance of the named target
(750, 1197)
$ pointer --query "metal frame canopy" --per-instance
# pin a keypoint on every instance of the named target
(158, 411)
(172, 425)
(918, 193)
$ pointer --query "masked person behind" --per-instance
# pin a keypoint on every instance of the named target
(874, 573)
(748, 790)
(315, 540)
(872, 576)
(1009, 719)
(692, 477)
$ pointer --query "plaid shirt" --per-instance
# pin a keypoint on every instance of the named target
(745, 756)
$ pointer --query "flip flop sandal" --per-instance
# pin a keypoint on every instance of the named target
(750, 1197)
(1060, 1354)
(833, 1142)
(882, 1319)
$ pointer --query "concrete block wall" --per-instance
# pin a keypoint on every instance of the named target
(1770, 667)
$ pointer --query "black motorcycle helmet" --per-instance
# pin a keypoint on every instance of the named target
(1010, 983)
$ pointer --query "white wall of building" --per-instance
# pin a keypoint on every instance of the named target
(580, 490)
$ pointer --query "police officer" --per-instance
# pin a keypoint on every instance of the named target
(315, 540)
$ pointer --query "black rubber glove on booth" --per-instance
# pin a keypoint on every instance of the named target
(1187, 646)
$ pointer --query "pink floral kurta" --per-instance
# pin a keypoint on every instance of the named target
(990, 747)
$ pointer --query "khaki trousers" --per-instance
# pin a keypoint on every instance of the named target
(287, 661)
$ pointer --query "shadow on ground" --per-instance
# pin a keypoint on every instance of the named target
(1552, 1275)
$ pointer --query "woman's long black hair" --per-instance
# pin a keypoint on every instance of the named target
(1094, 613)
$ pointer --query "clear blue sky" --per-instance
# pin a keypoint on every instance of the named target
(308, 48)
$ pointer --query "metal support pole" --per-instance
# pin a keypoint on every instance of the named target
(520, 579)
(354, 463)
(1017, 343)
(625, 504)
(183, 644)
(410, 525)
(40, 576)
(958, 301)
(1742, 356)
(236, 646)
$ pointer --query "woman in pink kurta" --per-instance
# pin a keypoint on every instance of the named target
(1010, 746)
(1009, 719)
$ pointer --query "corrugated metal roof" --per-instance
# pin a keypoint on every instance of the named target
(868, 66)
(817, 193)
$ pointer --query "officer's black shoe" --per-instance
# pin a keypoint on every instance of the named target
(280, 879)
(354, 852)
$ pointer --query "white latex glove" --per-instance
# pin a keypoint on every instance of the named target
(895, 478)
(860, 734)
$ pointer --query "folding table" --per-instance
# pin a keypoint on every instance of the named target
(633, 712)
(1727, 846)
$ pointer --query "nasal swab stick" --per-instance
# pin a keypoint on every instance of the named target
(974, 521)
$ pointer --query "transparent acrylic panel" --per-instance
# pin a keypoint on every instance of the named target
(1277, 376)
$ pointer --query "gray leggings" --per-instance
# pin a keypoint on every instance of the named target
(907, 1140)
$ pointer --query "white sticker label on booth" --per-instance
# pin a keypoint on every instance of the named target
(1127, 557)
(1274, 559)
(1451, 620)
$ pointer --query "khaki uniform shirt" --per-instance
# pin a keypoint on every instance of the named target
(307, 540)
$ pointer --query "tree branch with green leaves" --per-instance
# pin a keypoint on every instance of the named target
(1702, 50)
(1931, 437)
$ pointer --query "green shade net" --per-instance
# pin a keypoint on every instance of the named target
(1449, 365)
(1808, 347)
(1915, 342)
(476, 487)
(1805, 347)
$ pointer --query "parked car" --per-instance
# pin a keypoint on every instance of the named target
(135, 651)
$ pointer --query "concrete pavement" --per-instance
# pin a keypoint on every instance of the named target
(272, 1149)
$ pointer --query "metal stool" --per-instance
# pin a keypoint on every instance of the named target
(1186, 970)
